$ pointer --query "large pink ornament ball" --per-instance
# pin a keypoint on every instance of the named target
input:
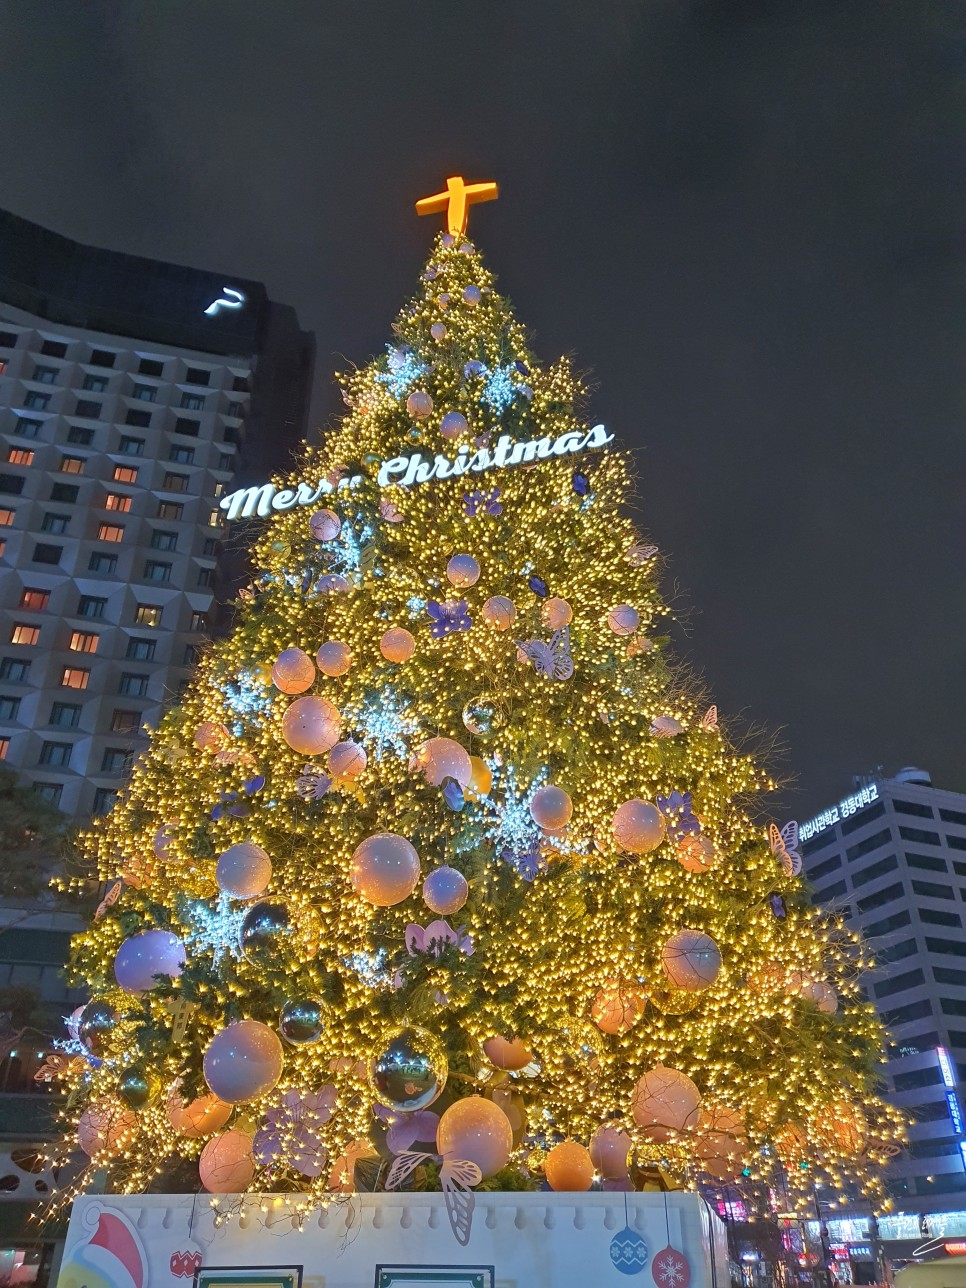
(310, 726)
(145, 955)
(569, 1168)
(454, 424)
(397, 645)
(499, 612)
(102, 1125)
(441, 758)
(347, 759)
(610, 1151)
(243, 871)
(638, 826)
(623, 620)
(478, 1131)
(325, 525)
(821, 994)
(384, 869)
(292, 671)
(691, 960)
(333, 658)
(199, 1117)
(618, 1006)
(512, 1054)
(665, 1100)
(438, 332)
(463, 571)
(419, 405)
(243, 1061)
(445, 891)
(556, 613)
(227, 1165)
(211, 736)
(551, 808)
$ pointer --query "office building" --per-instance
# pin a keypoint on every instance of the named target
(892, 857)
(133, 394)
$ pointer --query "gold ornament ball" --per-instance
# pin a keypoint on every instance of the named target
(200, 1117)
(696, 853)
(226, 1165)
(481, 778)
(136, 1088)
(569, 1167)
(397, 645)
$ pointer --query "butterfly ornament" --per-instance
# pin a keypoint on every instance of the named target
(784, 846)
(457, 1177)
(552, 660)
(710, 719)
(449, 616)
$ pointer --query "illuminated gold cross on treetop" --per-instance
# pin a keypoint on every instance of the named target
(456, 201)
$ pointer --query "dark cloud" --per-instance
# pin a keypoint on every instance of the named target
(739, 215)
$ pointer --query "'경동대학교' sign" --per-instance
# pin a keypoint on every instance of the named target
(260, 500)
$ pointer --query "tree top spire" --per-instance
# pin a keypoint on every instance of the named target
(456, 201)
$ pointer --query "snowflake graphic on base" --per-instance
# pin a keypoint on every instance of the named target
(628, 1251)
(670, 1269)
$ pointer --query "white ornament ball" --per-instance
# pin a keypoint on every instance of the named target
(146, 955)
(472, 296)
(325, 525)
(419, 405)
(445, 891)
(441, 758)
(384, 869)
(347, 759)
(463, 571)
(243, 871)
(665, 1100)
(243, 1061)
(556, 613)
(638, 826)
(499, 612)
(454, 425)
(292, 671)
(226, 1165)
(478, 1131)
(551, 808)
(691, 960)
(438, 331)
(623, 620)
(310, 726)
(333, 658)
(397, 645)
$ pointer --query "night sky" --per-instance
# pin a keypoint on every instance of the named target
(737, 216)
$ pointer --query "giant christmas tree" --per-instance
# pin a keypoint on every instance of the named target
(442, 857)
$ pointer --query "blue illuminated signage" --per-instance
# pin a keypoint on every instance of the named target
(836, 813)
(231, 299)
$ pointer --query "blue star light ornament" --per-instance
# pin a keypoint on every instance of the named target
(628, 1251)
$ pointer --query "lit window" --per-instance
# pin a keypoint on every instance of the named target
(148, 615)
(20, 456)
(4, 748)
(7, 517)
(110, 532)
(114, 501)
(35, 600)
(125, 474)
(72, 464)
(74, 677)
(215, 519)
(83, 642)
(24, 634)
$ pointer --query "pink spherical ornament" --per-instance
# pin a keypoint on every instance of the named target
(325, 525)
(292, 671)
(310, 726)
(384, 869)
(102, 1125)
(720, 1155)
(569, 1167)
(696, 853)
(638, 827)
(445, 891)
(419, 405)
(556, 613)
(438, 331)
(145, 955)
(691, 960)
(623, 620)
(333, 658)
(472, 296)
(820, 994)
(618, 1006)
(610, 1151)
(243, 871)
(463, 571)
(551, 808)
(347, 760)
(243, 1061)
(499, 612)
(397, 645)
(721, 1118)
(200, 1117)
(441, 758)
(503, 1054)
(226, 1165)
(476, 1130)
(454, 425)
(665, 1100)
(211, 736)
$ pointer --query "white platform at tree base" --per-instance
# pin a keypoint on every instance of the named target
(529, 1240)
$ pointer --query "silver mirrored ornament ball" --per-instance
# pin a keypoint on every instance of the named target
(408, 1070)
(481, 717)
(265, 928)
(96, 1022)
(136, 1087)
(301, 1020)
